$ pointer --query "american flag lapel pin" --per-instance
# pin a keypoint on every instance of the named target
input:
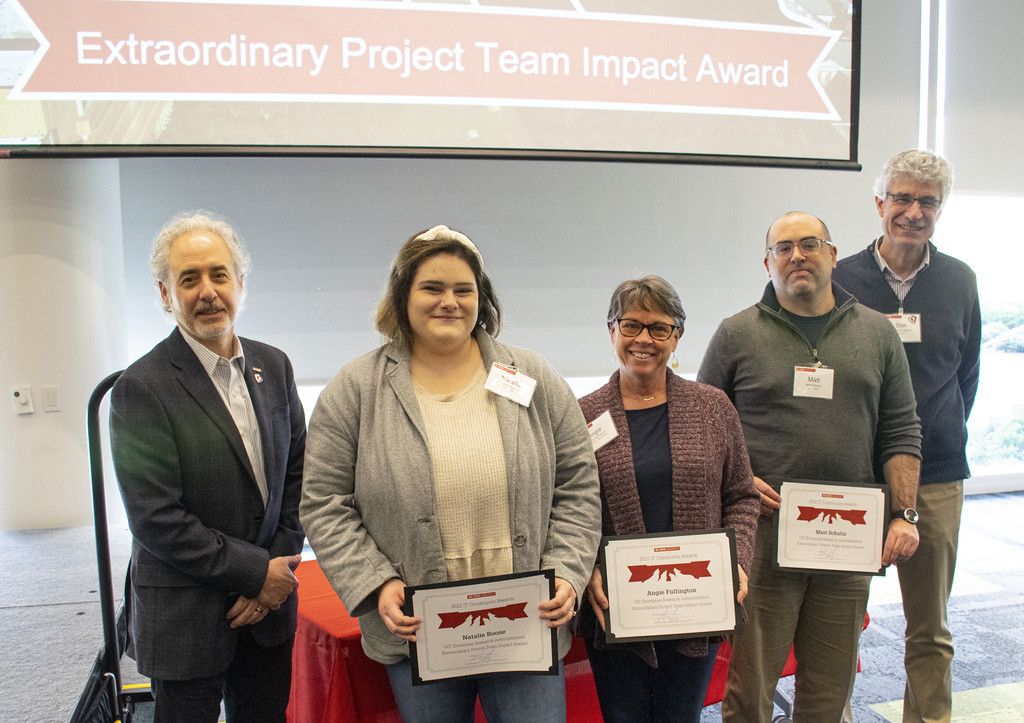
(258, 374)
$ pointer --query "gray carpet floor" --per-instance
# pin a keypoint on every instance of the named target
(50, 629)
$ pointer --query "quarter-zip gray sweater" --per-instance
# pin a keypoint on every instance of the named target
(871, 416)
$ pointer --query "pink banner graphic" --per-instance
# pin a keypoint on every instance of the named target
(124, 49)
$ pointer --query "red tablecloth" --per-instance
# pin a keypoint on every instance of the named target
(334, 682)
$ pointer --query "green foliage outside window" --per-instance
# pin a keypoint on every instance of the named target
(1003, 443)
(1003, 440)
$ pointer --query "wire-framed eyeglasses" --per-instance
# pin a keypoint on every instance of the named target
(809, 245)
(659, 330)
(905, 200)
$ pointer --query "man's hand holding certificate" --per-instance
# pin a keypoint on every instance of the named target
(831, 527)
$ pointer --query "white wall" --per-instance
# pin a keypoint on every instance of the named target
(63, 320)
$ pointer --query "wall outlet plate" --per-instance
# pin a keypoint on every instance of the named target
(22, 400)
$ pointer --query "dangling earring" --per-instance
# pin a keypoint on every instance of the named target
(675, 362)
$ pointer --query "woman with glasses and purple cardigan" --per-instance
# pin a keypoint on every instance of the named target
(678, 464)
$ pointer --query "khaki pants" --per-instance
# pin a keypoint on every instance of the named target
(820, 615)
(926, 580)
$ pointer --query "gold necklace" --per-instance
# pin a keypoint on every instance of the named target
(646, 399)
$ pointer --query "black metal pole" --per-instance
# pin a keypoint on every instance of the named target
(111, 651)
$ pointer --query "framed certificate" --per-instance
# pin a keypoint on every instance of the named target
(484, 625)
(831, 527)
(669, 585)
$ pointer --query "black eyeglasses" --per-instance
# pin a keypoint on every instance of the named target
(809, 245)
(659, 331)
(905, 200)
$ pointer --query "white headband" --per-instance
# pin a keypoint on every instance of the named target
(443, 233)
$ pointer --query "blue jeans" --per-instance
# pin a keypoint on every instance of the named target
(630, 690)
(504, 697)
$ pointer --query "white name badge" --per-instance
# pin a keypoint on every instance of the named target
(510, 383)
(602, 430)
(813, 382)
(908, 326)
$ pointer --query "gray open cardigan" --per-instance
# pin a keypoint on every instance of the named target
(712, 485)
(368, 493)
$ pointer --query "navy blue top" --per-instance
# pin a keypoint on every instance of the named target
(944, 365)
(810, 326)
(652, 464)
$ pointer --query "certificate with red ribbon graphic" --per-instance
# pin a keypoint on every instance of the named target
(831, 527)
(669, 585)
(484, 625)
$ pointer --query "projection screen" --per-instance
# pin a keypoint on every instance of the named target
(730, 81)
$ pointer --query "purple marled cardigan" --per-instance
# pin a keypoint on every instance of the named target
(712, 485)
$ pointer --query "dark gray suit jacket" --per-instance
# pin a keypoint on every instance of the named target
(201, 533)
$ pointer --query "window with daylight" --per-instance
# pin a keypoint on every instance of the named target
(973, 228)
